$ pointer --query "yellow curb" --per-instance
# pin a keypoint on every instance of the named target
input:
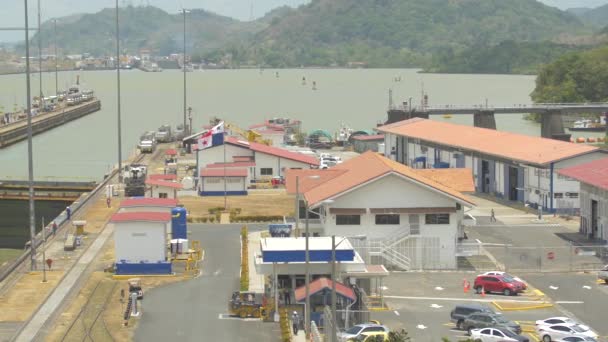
(528, 329)
(523, 307)
(539, 293)
(379, 309)
(533, 336)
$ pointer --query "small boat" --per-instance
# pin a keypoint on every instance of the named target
(314, 85)
(341, 137)
(447, 116)
(587, 125)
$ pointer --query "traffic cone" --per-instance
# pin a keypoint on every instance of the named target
(483, 292)
(465, 286)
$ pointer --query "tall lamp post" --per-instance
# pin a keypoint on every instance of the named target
(41, 99)
(30, 159)
(118, 96)
(56, 58)
(184, 11)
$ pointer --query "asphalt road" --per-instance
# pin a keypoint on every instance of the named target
(195, 310)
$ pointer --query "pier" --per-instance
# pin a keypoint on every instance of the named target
(17, 131)
(44, 190)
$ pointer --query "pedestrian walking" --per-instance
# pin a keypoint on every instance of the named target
(68, 211)
(492, 217)
(109, 201)
(54, 226)
(295, 321)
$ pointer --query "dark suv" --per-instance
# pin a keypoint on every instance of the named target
(489, 320)
(461, 311)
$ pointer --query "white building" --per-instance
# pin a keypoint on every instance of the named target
(249, 166)
(212, 181)
(269, 161)
(275, 137)
(593, 178)
(417, 219)
(508, 165)
(162, 189)
(140, 242)
(146, 204)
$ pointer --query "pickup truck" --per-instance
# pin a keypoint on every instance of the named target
(603, 274)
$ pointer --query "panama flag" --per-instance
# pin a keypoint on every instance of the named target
(213, 137)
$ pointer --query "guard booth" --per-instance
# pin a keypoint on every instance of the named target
(79, 225)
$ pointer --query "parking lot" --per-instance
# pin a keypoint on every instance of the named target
(421, 302)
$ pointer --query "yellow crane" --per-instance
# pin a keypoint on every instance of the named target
(249, 135)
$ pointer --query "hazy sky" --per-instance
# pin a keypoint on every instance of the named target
(11, 11)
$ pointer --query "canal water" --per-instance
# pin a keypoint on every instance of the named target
(14, 220)
(87, 148)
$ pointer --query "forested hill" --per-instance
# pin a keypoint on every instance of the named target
(376, 33)
(397, 33)
(596, 16)
(575, 77)
(146, 27)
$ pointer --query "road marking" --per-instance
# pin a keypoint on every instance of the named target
(439, 288)
(216, 273)
(435, 306)
(478, 241)
(554, 287)
(478, 300)
(449, 324)
(587, 287)
(421, 326)
(396, 312)
(533, 336)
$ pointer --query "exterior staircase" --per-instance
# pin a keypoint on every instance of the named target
(386, 248)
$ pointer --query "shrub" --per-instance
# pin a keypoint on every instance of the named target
(204, 219)
(212, 219)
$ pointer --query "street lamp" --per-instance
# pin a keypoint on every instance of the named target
(56, 58)
(184, 11)
(30, 159)
(118, 96)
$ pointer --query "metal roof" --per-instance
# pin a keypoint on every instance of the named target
(168, 184)
(219, 172)
(513, 146)
(593, 173)
(321, 284)
(148, 202)
(150, 216)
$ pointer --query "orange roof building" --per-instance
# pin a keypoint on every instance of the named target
(378, 198)
(508, 165)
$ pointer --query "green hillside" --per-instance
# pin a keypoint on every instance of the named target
(402, 33)
(575, 77)
(145, 27)
(597, 16)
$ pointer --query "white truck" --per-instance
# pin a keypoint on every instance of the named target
(603, 274)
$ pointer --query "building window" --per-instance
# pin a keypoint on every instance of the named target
(266, 171)
(348, 220)
(162, 195)
(558, 195)
(212, 180)
(233, 180)
(387, 219)
(437, 218)
(572, 194)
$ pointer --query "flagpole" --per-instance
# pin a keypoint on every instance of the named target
(225, 199)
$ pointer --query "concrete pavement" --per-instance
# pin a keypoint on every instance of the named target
(197, 310)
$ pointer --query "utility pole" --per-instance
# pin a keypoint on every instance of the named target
(297, 206)
(30, 159)
(56, 59)
(184, 67)
(307, 308)
(333, 289)
(43, 252)
(41, 100)
(118, 96)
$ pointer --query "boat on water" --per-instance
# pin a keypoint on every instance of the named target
(447, 116)
(588, 125)
(343, 134)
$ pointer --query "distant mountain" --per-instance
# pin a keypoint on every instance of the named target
(401, 33)
(146, 28)
(596, 16)
(578, 11)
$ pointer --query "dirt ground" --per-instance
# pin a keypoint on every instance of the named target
(261, 202)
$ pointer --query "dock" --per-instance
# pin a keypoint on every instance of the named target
(44, 190)
(17, 131)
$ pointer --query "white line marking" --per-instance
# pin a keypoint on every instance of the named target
(569, 302)
(478, 241)
(436, 306)
(554, 287)
(497, 299)
(421, 326)
(396, 312)
(439, 288)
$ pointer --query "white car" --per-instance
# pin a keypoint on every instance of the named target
(357, 330)
(555, 332)
(494, 335)
(560, 320)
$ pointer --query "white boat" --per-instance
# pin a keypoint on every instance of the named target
(589, 125)
(343, 134)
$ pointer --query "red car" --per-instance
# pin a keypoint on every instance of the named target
(496, 283)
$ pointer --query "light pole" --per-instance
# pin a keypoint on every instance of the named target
(56, 58)
(118, 96)
(307, 311)
(30, 159)
(184, 11)
(41, 100)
